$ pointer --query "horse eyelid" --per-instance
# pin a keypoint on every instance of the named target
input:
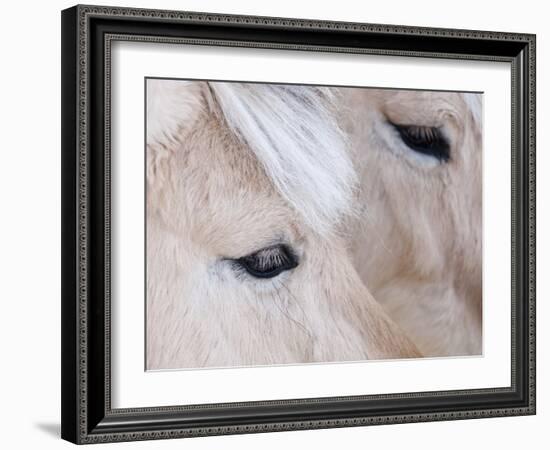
(268, 262)
(436, 144)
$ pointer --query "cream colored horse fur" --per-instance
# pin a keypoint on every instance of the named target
(418, 243)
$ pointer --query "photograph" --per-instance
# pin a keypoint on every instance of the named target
(299, 224)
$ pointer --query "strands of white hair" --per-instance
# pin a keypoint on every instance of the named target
(294, 134)
(474, 103)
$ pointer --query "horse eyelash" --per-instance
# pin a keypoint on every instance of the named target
(280, 257)
(268, 257)
(425, 140)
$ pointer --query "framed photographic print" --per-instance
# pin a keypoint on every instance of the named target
(281, 224)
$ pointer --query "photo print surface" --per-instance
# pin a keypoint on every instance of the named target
(296, 224)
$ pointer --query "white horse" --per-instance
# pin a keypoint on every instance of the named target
(417, 245)
(251, 190)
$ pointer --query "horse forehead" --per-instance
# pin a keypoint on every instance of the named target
(234, 221)
(214, 160)
(231, 204)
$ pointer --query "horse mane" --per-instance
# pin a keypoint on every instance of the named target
(294, 133)
(475, 106)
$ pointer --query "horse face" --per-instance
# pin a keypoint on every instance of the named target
(418, 243)
(235, 276)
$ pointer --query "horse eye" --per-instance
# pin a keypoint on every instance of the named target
(428, 141)
(268, 262)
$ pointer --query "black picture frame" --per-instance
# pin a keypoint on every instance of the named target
(87, 32)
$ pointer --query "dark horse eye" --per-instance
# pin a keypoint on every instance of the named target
(268, 262)
(425, 140)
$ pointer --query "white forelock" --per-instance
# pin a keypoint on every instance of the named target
(474, 103)
(294, 133)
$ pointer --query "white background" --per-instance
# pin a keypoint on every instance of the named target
(30, 237)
